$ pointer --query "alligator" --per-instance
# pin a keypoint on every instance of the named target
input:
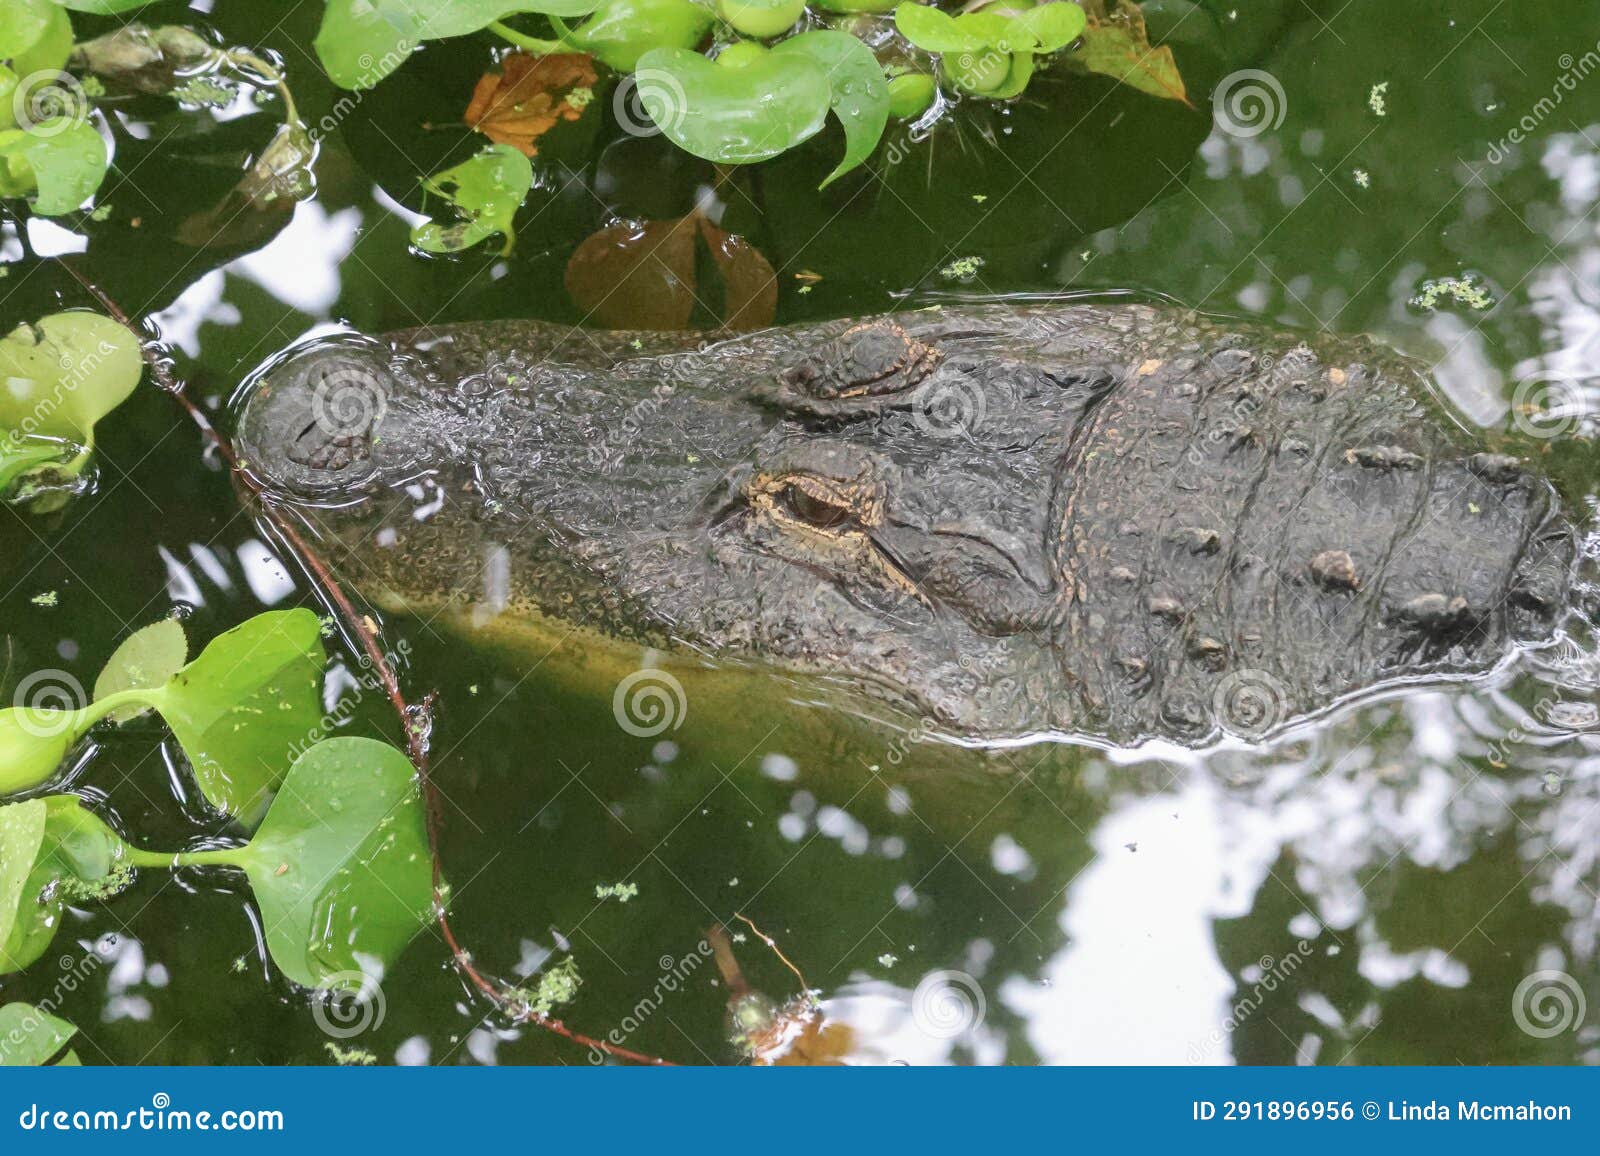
(1112, 522)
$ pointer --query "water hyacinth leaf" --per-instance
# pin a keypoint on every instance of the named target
(147, 658)
(934, 31)
(340, 865)
(21, 455)
(52, 851)
(734, 115)
(35, 40)
(246, 706)
(362, 41)
(621, 31)
(65, 373)
(1047, 28)
(33, 743)
(104, 7)
(860, 94)
(30, 1038)
(485, 191)
(60, 162)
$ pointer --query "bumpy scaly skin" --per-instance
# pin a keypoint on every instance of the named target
(1114, 521)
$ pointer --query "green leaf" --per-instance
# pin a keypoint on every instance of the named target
(29, 1038)
(20, 456)
(362, 41)
(340, 866)
(1047, 28)
(147, 658)
(246, 707)
(61, 161)
(934, 31)
(734, 115)
(35, 37)
(52, 851)
(622, 31)
(105, 7)
(59, 377)
(485, 192)
(33, 743)
(859, 92)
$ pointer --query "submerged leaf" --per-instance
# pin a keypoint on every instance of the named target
(485, 191)
(340, 865)
(642, 275)
(529, 96)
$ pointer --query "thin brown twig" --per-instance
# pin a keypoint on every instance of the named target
(415, 719)
(776, 950)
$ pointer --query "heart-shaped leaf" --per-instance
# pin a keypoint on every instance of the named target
(622, 31)
(63, 374)
(59, 162)
(1047, 28)
(733, 115)
(485, 193)
(859, 92)
(340, 865)
(146, 659)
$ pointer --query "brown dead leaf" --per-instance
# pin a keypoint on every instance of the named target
(1117, 44)
(642, 275)
(529, 96)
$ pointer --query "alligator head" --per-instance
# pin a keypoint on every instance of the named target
(1109, 521)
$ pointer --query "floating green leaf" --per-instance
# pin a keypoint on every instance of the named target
(734, 115)
(59, 163)
(147, 658)
(362, 41)
(241, 711)
(622, 31)
(991, 52)
(485, 192)
(859, 92)
(1047, 28)
(52, 851)
(761, 18)
(104, 7)
(65, 373)
(340, 865)
(30, 1038)
(35, 41)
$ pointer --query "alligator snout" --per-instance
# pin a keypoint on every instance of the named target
(311, 423)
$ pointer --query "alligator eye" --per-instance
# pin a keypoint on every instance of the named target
(807, 507)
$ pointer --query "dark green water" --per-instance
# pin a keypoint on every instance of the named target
(1374, 888)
